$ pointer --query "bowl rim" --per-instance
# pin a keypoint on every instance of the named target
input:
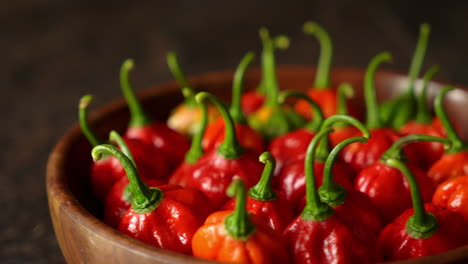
(57, 186)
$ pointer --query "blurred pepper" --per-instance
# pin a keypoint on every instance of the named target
(423, 230)
(172, 144)
(425, 123)
(272, 119)
(104, 173)
(453, 195)
(454, 162)
(398, 111)
(238, 237)
(167, 216)
(264, 202)
(291, 180)
(322, 93)
(293, 145)
(247, 137)
(214, 171)
(186, 117)
(321, 234)
(343, 131)
(387, 186)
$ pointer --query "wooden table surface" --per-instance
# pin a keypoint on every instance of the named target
(52, 52)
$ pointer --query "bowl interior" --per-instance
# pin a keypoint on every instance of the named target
(68, 180)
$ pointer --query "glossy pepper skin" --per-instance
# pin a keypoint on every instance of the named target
(426, 124)
(186, 117)
(215, 170)
(157, 134)
(293, 145)
(322, 93)
(291, 180)
(252, 101)
(423, 230)
(104, 173)
(235, 236)
(454, 162)
(321, 234)
(452, 195)
(248, 137)
(397, 111)
(273, 119)
(264, 202)
(166, 217)
(388, 187)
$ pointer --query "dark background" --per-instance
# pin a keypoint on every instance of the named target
(52, 52)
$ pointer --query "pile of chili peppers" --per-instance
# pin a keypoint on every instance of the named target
(261, 180)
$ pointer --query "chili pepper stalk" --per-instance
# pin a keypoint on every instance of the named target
(396, 112)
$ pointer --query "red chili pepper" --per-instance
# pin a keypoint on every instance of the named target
(167, 216)
(251, 101)
(107, 171)
(118, 198)
(321, 234)
(454, 162)
(293, 145)
(422, 231)
(291, 180)
(186, 117)
(272, 119)
(322, 92)
(264, 202)
(358, 155)
(214, 171)
(238, 237)
(387, 186)
(247, 136)
(141, 127)
(453, 195)
(426, 124)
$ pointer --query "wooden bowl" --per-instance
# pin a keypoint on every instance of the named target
(75, 214)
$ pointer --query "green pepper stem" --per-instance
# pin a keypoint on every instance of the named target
(230, 148)
(176, 70)
(316, 122)
(83, 116)
(238, 224)
(322, 78)
(422, 224)
(372, 114)
(115, 137)
(144, 199)
(394, 151)
(418, 57)
(330, 192)
(269, 80)
(457, 143)
(345, 92)
(324, 149)
(315, 210)
(138, 117)
(196, 149)
(263, 191)
(423, 115)
(236, 109)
